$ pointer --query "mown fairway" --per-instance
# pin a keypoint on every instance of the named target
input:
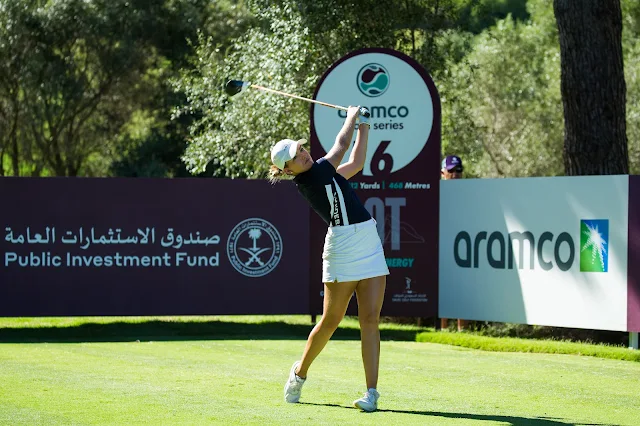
(234, 380)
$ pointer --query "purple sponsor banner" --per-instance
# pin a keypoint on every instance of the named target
(74, 246)
(399, 184)
(633, 275)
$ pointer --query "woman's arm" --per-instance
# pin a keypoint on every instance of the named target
(343, 139)
(358, 154)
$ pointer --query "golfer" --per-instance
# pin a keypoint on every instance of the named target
(353, 258)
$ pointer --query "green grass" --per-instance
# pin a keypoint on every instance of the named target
(221, 376)
(510, 344)
(80, 329)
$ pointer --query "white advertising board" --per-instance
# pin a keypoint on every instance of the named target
(545, 251)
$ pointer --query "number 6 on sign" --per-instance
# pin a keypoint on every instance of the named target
(381, 157)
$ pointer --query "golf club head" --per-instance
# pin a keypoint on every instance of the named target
(233, 87)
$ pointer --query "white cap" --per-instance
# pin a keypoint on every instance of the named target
(284, 151)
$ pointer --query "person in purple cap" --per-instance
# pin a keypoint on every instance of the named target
(451, 167)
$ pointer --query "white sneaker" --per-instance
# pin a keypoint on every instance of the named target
(369, 402)
(294, 385)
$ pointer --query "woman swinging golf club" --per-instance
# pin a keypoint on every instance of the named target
(353, 258)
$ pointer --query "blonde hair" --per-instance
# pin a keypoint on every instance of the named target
(275, 174)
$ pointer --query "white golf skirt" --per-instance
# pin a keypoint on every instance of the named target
(353, 253)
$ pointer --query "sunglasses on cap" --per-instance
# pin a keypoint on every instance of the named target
(455, 170)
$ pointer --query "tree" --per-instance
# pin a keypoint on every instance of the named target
(631, 51)
(153, 141)
(232, 136)
(593, 87)
(16, 48)
(75, 72)
(478, 15)
(290, 46)
(501, 103)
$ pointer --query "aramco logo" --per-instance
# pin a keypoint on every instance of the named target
(510, 251)
(373, 80)
(594, 241)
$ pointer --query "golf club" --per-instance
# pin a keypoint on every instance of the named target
(233, 87)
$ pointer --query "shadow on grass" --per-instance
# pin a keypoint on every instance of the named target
(509, 420)
(167, 331)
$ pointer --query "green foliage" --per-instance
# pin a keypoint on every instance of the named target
(289, 48)
(227, 20)
(155, 154)
(152, 143)
(631, 52)
(84, 85)
(502, 109)
(15, 47)
(234, 135)
(78, 71)
(479, 15)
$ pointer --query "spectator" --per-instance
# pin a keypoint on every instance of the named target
(452, 169)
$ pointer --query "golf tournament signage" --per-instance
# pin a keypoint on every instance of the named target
(399, 184)
(150, 247)
(552, 251)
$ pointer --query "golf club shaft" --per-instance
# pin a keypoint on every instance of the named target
(255, 86)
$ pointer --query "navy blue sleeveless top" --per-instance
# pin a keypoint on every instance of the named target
(331, 195)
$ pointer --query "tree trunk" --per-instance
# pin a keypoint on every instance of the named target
(593, 86)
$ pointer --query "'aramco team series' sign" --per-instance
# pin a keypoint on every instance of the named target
(399, 184)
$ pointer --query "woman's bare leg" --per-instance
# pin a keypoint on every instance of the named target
(336, 300)
(370, 293)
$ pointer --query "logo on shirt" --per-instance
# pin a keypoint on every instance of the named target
(336, 210)
(373, 80)
(254, 247)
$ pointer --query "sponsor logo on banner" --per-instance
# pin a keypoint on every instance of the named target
(254, 247)
(408, 294)
(95, 247)
(106, 247)
(526, 250)
(373, 80)
(401, 114)
(594, 241)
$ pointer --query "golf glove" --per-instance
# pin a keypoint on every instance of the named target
(363, 117)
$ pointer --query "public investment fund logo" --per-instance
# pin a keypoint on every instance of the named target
(594, 242)
(373, 80)
(254, 247)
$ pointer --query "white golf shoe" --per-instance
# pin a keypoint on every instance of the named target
(293, 387)
(369, 402)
